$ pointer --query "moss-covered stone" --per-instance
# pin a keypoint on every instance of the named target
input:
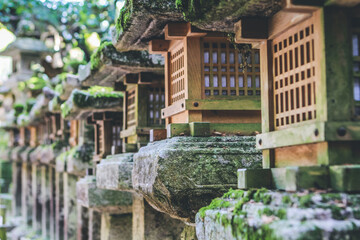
(107, 53)
(79, 158)
(182, 174)
(263, 214)
(89, 195)
(222, 14)
(93, 98)
(115, 172)
(140, 21)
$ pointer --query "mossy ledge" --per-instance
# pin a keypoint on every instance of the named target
(107, 53)
(264, 214)
(94, 98)
(222, 14)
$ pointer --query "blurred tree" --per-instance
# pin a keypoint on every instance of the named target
(73, 20)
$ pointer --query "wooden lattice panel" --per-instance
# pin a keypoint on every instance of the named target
(294, 74)
(100, 138)
(116, 140)
(177, 74)
(131, 107)
(155, 104)
(227, 72)
(356, 62)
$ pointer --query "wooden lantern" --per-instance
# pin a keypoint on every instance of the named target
(144, 99)
(107, 126)
(207, 79)
(311, 92)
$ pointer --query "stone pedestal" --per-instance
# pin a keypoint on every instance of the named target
(16, 188)
(70, 206)
(115, 226)
(115, 173)
(36, 197)
(180, 175)
(59, 206)
(101, 202)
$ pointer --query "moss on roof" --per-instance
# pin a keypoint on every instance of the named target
(222, 14)
(95, 97)
(107, 53)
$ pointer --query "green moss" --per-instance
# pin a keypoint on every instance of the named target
(215, 204)
(286, 199)
(305, 201)
(95, 59)
(235, 194)
(123, 21)
(29, 104)
(129, 58)
(95, 97)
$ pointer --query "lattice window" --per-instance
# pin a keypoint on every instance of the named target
(155, 104)
(295, 75)
(100, 138)
(227, 72)
(177, 75)
(356, 62)
(131, 121)
(116, 140)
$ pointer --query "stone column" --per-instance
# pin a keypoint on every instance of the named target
(16, 189)
(24, 192)
(116, 226)
(94, 224)
(70, 209)
(59, 206)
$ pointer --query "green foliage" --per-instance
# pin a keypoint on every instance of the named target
(72, 65)
(29, 104)
(19, 108)
(36, 83)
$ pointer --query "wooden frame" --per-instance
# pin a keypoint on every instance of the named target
(107, 126)
(202, 69)
(143, 101)
(308, 100)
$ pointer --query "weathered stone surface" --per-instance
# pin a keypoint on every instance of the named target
(141, 21)
(115, 171)
(16, 153)
(182, 174)
(79, 159)
(115, 226)
(220, 15)
(25, 155)
(150, 224)
(263, 214)
(108, 65)
(88, 195)
(35, 155)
